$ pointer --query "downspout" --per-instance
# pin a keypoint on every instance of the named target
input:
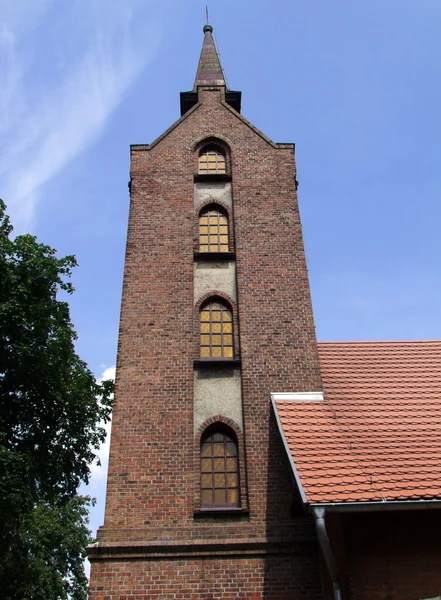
(325, 545)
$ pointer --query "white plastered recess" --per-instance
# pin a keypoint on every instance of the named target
(215, 191)
(217, 392)
(213, 276)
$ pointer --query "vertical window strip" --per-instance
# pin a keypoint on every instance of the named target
(216, 331)
(212, 162)
(213, 231)
(219, 471)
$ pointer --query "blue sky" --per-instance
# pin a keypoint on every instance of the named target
(356, 85)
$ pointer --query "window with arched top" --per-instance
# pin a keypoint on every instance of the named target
(213, 230)
(216, 331)
(219, 470)
(212, 161)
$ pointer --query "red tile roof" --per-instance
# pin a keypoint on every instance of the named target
(377, 436)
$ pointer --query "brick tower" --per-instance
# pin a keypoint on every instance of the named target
(216, 315)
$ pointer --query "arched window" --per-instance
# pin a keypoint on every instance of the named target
(212, 161)
(216, 330)
(219, 471)
(213, 230)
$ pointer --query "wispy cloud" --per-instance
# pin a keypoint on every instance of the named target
(47, 123)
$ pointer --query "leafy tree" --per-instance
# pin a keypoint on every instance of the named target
(52, 412)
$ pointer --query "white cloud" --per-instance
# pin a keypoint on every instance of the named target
(48, 120)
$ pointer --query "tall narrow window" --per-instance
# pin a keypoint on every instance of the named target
(216, 331)
(219, 471)
(213, 230)
(212, 161)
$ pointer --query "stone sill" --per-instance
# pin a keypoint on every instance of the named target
(214, 362)
(208, 178)
(214, 256)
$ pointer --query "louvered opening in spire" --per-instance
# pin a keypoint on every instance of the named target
(209, 68)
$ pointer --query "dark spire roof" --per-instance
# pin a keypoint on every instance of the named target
(209, 73)
(209, 68)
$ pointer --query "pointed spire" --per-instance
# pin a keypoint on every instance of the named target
(209, 68)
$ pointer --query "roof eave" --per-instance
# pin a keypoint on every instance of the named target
(386, 505)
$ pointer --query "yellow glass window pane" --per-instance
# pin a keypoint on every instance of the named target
(233, 496)
(207, 497)
(232, 480)
(216, 352)
(216, 328)
(223, 229)
(219, 480)
(223, 220)
(221, 158)
(212, 157)
(226, 315)
(219, 465)
(228, 352)
(221, 170)
(223, 248)
(203, 239)
(228, 340)
(218, 449)
(206, 449)
(214, 240)
(227, 327)
(231, 449)
(216, 340)
(214, 230)
(231, 464)
(205, 352)
(203, 248)
(203, 220)
(213, 220)
(215, 315)
(219, 497)
(223, 239)
(205, 340)
(205, 315)
(207, 481)
(205, 327)
(207, 465)
(203, 229)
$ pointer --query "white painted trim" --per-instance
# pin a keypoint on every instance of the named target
(298, 396)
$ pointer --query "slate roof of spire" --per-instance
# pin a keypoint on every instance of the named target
(209, 68)
(377, 436)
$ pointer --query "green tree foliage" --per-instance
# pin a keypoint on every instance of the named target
(52, 412)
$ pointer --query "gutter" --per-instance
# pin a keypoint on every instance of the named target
(385, 505)
(325, 545)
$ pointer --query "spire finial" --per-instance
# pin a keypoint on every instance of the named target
(207, 26)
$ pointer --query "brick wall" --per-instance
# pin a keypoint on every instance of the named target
(253, 578)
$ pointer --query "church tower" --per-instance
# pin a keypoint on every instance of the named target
(216, 315)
